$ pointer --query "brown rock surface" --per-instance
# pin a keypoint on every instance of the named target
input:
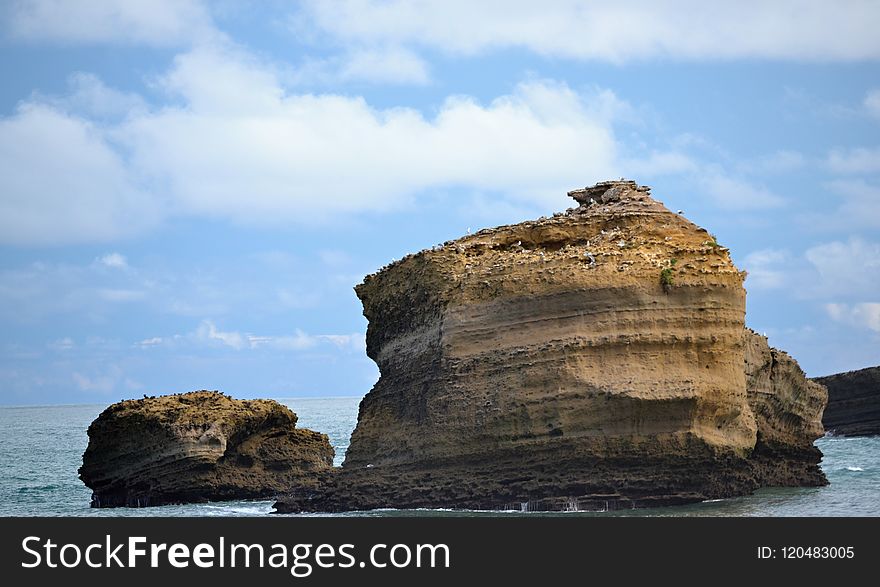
(198, 446)
(592, 359)
(788, 409)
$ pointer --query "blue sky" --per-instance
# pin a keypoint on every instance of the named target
(190, 190)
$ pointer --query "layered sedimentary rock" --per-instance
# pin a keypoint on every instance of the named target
(198, 446)
(788, 410)
(592, 359)
(853, 402)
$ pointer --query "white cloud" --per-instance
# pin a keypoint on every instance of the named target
(864, 315)
(237, 145)
(132, 22)
(737, 194)
(839, 271)
(242, 148)
(854, 161)
(872, 103)
(850, 269)
(767, 269)
(62, 182)
(89, 96)
(207, 331)
(219, 79)
(151, 342)
(858, 206)
(107, 380)
(114, 260)
(356, 341)
(389, 65)
(385, 65)
(728, 187)
(612, 31)
(298, 341)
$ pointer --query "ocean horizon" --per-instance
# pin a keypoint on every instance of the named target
(41, 450)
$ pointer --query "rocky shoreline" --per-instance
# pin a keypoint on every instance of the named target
(596, 359)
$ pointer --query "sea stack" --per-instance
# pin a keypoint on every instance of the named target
(595, 359)
(198, 446)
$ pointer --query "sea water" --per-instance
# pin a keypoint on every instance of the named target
(41, 449)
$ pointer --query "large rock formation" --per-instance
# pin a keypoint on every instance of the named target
(853, 402)
(198, 446)
(593, 359)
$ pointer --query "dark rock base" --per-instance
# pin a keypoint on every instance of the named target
(581, 484)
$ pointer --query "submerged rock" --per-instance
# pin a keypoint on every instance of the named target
(853, 402)
(198, 446)
(595, 359)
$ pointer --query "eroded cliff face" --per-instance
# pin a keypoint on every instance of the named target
(853, 402)
(788, 410)
(198, 446)
(592, 359)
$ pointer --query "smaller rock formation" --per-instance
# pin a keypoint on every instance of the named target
(853, 402)
(788, 411)
(198, 446)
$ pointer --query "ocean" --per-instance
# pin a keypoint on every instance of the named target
(41, 449)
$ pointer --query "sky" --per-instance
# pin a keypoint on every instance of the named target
(190, 190)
